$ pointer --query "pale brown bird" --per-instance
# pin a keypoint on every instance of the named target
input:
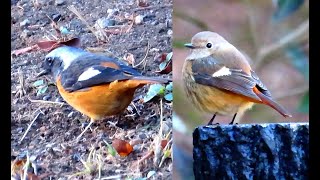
(218, 79)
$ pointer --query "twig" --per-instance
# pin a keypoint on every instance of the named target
(45, 102)
(152, 7)
(292, 92)
(198, 23)
(25, 168)
(161, 118)
(119, 176)
(76, 12)
(284, 41)
(251, 23)
(135, 108)
(34, 119)
(164, 149)
(148, 48)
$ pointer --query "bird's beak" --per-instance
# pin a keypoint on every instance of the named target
(43, 72)
(189, 45)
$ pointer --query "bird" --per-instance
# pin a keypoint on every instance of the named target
(218, 78)
(95, 85)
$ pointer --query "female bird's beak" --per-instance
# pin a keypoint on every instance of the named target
(189, 45)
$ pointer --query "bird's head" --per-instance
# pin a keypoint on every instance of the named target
(204, 44)
(59, 60)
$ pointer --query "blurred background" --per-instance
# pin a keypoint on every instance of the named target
(274, 34)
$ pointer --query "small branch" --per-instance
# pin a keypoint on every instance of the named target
(34, 119)
(152, 7)
(45, 102)
(76, 12)
(200, 24)
(148, 48)
(251, 17)
(284, 41)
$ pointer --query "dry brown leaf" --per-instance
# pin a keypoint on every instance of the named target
(122, 147)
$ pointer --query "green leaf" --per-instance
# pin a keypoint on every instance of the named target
(38, 83)
(304, 103)
(42, 90)
(169, 87)
(299, 59)
(169, 56)
(284, 8)
(167, 153)
(168, 97)
(162, 65)
(111, 149)
(151, 173)
(154, 90)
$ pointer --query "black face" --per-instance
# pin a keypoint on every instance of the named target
(51, 65)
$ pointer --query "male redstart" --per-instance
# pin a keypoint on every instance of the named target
(219, 80)
(97, 86)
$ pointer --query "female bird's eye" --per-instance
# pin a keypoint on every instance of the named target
(209, 45)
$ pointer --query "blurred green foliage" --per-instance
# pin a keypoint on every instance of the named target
(285, 8)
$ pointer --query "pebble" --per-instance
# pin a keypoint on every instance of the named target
(112, 12)
(169, 32)
(70, 114)
(58, 99)
(138, 19)
(105, 22)
(56, 17)
(59, 2)
(24, 23)
(148, 18)
(46, 97)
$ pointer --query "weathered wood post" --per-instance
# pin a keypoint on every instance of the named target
(251, 151)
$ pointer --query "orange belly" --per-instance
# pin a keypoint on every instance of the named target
(103, 100)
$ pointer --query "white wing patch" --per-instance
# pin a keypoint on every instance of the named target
(89, 73)
(224, 71)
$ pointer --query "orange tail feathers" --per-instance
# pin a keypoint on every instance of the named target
(147, 80)
(268, 101)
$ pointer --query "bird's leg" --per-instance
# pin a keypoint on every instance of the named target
(211, 120)
(234, 117)
(88, 126)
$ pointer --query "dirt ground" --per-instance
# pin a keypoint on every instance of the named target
(51, 140)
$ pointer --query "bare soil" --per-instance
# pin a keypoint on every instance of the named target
(51, 140)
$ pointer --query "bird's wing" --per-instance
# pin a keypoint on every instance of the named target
(207, 71)
(86, 74)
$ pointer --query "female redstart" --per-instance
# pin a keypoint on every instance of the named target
(219, 80)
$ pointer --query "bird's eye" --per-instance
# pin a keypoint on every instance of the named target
(209, 45)
(50, 60)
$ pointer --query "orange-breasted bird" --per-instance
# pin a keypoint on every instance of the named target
(96, 85)
(218, 79)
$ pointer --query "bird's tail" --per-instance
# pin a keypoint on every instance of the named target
(148, 80)
(268, 101)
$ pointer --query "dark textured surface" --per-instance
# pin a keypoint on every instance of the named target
(265, 151)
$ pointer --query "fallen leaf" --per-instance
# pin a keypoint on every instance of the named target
(164, 142)
(46, 44)
(23, 50)
(122, 147)
(168, 97)
(38, 83)
(166, 63)
(110, 149)
(143, 3)
(154, 90)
